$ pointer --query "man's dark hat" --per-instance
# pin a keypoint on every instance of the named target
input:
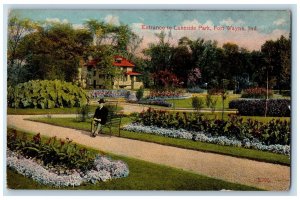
(101, 101)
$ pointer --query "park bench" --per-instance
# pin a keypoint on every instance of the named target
(113, 120)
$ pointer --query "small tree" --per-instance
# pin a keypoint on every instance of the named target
(208, 100)
(140, 93)
(224, 94)
(213, 104)
(197, 104)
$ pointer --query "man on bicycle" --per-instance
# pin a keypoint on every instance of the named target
(100, 118)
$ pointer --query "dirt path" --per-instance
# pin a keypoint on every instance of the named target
(253, 173)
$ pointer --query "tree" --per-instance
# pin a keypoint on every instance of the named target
(17, 30)
(53, 51)
(165, 79)
(277, 56)
(160, 54)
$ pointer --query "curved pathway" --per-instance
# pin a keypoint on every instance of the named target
(248, 172)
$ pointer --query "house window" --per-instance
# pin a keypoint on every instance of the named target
(118, 60)
(94, 73)
(124, 78)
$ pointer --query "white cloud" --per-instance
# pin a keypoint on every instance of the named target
(111, 19)
(279, 22)
(57, 20)
(78, 26)
(230, 22)
(196, 23)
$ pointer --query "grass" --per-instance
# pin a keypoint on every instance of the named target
(33, 111)
(182, 143)
(143, 176)
(187, 103)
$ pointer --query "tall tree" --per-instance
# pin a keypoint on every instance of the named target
(277, 55)
(17, 30)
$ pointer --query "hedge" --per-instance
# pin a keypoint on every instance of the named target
(256, 107)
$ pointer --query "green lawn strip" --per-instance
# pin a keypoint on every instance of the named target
(33, 111)
(176, 142)
(143, 176)
(187, 103)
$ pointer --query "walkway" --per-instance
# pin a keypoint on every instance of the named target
(253, 173)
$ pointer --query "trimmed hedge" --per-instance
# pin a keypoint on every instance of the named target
(46, 94)
(256, 107)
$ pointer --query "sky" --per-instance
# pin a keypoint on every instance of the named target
(248, 29)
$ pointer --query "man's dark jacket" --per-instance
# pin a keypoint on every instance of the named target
(101, 114)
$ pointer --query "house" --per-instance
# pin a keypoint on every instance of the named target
(125, 78)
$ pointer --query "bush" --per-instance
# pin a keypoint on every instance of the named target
(46, 94)
(197, 103)
(259, 93)
(140, 93)
(83, 113)
(285, 93)
(256, 107)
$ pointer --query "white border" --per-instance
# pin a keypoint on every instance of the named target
(180, 6)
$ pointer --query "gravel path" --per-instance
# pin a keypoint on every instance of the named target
(253, 173)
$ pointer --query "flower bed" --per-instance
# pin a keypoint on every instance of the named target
(256, 93)
(104, 169)
(207, 137)
(96, 94)
(59, 162)
(165, 94)
(159, 102)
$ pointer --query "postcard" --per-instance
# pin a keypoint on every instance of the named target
(148, 100)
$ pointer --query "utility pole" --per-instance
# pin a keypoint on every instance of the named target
(267, 98)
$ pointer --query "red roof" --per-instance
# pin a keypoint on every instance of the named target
(132, 73)
(122, 62)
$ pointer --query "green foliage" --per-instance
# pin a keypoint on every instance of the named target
(52, 152)
(197, 103)
(272, 132)
(140, 93)
(257, 107)
(46, 94)
(83, 113)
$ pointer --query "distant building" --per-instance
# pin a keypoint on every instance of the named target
(92, 77)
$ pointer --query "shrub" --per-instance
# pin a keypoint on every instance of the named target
(140, 93)
(46, 94)
(83, 113)
(285, 93)
(256, 93)
(197, 103)
(256, 107)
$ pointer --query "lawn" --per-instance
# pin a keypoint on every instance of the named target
(182, 143)
(33, 111)
(143, 176)
(187, 103)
